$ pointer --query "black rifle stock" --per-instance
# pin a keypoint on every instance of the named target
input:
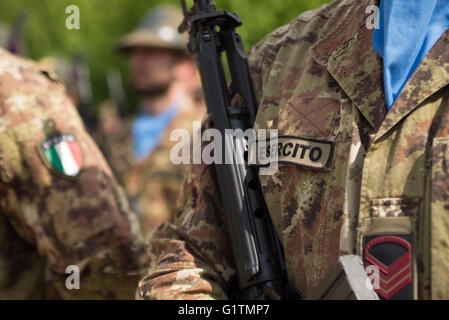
(257, 251)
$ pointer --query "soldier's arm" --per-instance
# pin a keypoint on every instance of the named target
(59, 194)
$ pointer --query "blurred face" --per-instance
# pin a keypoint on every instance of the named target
(151, 69)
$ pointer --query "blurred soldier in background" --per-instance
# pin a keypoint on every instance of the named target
(60, 204)
(165, 77)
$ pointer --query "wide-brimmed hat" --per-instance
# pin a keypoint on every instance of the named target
(157, 29)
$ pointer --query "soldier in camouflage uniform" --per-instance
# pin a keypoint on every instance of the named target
(60, 205)
(165, 78)
(319, 77)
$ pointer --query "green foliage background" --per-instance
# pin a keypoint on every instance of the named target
(104, 21)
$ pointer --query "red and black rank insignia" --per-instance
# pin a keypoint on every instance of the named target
(392, 254)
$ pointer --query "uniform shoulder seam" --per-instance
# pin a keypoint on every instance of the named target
(327, 10)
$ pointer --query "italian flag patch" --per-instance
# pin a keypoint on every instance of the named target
(63, 155)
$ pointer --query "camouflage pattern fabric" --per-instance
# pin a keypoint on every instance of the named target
(54, 216)
(152, 184)
(319, 77)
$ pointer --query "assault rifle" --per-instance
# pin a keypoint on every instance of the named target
(258, 254)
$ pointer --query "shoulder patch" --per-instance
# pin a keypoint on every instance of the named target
(62, 155)
(311, 153)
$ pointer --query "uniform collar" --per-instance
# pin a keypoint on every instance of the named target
(348, 54)
(430, 76)
(349, 57)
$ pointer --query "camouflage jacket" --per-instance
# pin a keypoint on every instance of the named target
(319, 77)
(60, 205)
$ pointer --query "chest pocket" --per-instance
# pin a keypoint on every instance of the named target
(309, 117)
(296, 185)
(306, 204)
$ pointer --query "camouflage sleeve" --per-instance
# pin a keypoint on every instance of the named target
(194, 258)
(192, 254)
(58, 193)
